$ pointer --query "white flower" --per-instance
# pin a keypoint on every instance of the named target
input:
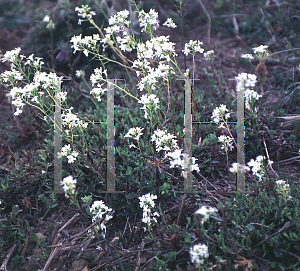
(250, 95)
(260, 49)
(98, 210)
(209, 55)
(51, 25)
(283, 188)
(235, 166)
(147, 202)
(11, 55)
(46, 19)
(280, 182)
(164, 141)
(192, 47)
(97, 76)
(76, 41)
(257, 165)
(149, 102)
(169, 23)
(206, 212)
(261, 52)
(248, 56)
(79, 73)
(69, 185)
(134, 133)
(11, 76)
(198, 252)
(84, 12)
(186, 74)
(219, 113)
(148, 21)
(226, 142)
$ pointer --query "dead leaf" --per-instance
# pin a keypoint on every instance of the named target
(243, 262)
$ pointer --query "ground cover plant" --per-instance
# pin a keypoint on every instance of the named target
(151, 223)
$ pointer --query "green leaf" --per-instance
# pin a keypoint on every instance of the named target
(33, 236)
(278, 253)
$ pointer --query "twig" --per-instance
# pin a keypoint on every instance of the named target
(230, 15)
(86, 245)
(180, 209)
(8, 257)
(69, 222)
(269, 157)
(236, 26)
(289, 161)
(55, 230)
(138, 259)
(209, 21)
(133, 231)
(286, 226)
(76, 236)
(51, 257)
(25, 246)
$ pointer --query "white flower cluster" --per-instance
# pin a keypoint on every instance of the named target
(97, 76)
(234, 167)
(246, 82)
(119, 24)
(283, 188)
(46, 80)
(169, 23)
(167, 142)
(69, 185)
(227, 143)
(261, 49)
(41, 80)
(62, 95)
(87, 44)
(187, 73)
(98, 210)
(218, 115)
(36, 62)
(71, 120)
(257, 166)
(147, 203)
(164, 141)
(98, 80)
(248, 56)
(85, 13)
(134, 133)
(206, 212)
(282, 184)
(66, 151)
(148, 21)
(181, 160)
(11, 76)
(49, 22)
(157, 47)
(209, 55)
(153, 75)
(80, 73)
(149, 102)
(260, 52)
(12, 55)
(198, 253)
(193, 47)
(119, 18)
